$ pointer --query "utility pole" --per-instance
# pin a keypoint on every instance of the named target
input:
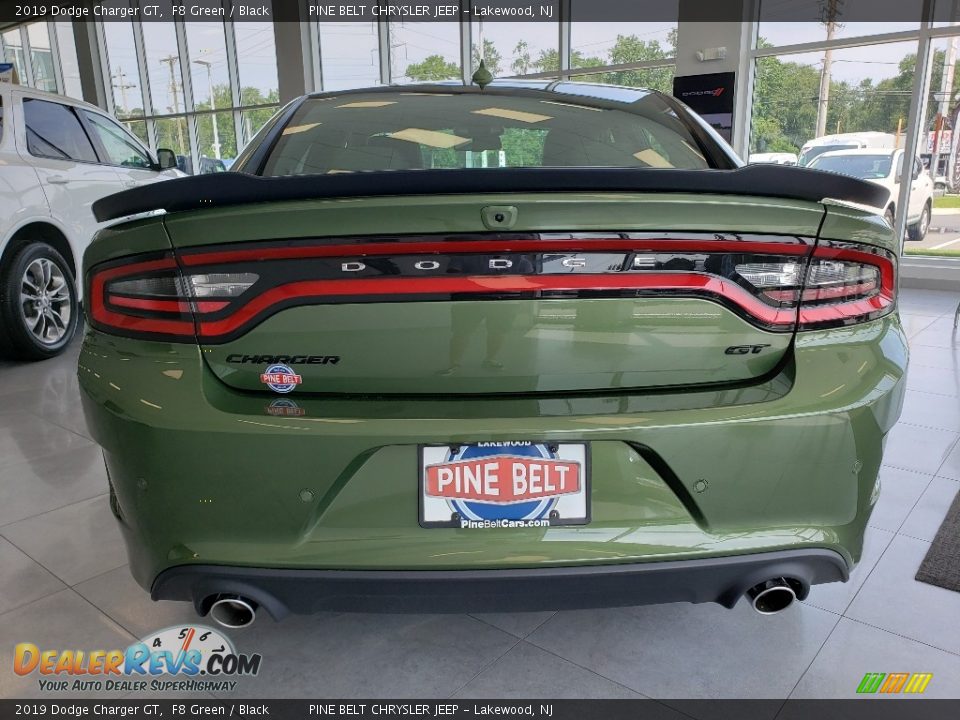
(483, 47)
(830, 12)
(170, 60)
(213, 107)
(122, 87)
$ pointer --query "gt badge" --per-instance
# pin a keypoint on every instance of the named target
(745, 349)
(280, 378)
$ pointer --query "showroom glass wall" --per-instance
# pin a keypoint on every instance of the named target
(358, 54)
(45, 56)
(820, 78)
(203, 89)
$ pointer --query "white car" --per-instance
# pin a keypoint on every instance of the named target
(845, 141)
(57, 156)
(776, 158)
(885, 167)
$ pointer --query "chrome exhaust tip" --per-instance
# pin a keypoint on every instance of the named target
(233, 611)
(772, 596)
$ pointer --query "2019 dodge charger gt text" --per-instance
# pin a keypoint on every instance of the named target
(526, 346)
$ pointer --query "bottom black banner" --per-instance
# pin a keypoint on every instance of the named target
(859, 709)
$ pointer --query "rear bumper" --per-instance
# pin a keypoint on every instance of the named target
(211, 482)
(721, 580)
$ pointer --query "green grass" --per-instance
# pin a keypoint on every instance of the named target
(947, 201)
(946, 252)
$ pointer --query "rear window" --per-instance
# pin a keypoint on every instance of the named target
(425, 131)
(865, 167)
(807, 156)
(54, 131)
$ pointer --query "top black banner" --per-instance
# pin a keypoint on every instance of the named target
(839, 11)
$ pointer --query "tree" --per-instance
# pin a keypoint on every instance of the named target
(886, 104)
(522, 61)
(626, 49)
(785, 97)
(631, 49)
(550, 60)
(785, 105)
(168, 134)
(434, 67)
(491, 57)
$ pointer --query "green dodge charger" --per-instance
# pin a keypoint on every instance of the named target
(531, 345)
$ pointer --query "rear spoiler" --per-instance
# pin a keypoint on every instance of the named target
(232, 188)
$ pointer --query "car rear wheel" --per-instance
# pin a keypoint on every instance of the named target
(38, 304)
(918, 232)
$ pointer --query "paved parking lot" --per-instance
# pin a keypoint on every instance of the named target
(944, 233)
(64, 582)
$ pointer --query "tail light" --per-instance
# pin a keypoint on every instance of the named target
(840, 284)
(153, 298)
(847, 284)
(216, 294)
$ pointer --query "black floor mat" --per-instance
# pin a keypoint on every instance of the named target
(941, 566)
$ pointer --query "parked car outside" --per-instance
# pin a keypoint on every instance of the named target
(845, 141)
(57, 157)
(885, 168)
(777, 158)
(207, 165)
(941, 181)
(536, 345)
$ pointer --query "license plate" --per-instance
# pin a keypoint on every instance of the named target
(512, 484)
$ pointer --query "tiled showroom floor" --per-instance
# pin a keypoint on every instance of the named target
(64, 583)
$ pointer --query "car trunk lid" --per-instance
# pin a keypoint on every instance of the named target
(525, 293)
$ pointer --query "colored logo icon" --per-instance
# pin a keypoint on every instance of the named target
(280, 378)
(893, 683)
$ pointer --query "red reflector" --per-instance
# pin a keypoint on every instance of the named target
(204, 306)
(149, 304)
(209, 306)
